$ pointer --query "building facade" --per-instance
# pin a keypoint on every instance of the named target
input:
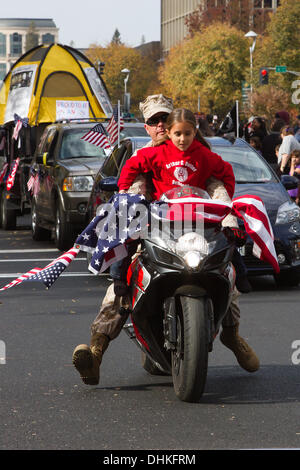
(175, 12)
(13, 34)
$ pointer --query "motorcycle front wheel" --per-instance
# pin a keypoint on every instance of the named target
(190, 358)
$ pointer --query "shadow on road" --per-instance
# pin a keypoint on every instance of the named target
(273, 383)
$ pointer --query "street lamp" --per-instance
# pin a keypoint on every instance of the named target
(126, 95)
(253, 35)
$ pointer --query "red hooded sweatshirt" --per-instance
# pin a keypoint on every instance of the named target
(172, 167)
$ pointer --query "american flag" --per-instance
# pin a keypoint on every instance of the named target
(50, 273)
(19, 123)
(252, 211)
(108, 247)
(97, 136)
(11, 178)
(112, 127)
(3, 171)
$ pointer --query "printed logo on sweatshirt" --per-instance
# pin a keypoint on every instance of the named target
(181, 174)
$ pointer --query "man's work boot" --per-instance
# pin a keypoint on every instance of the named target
(87, 359)
(245, 355)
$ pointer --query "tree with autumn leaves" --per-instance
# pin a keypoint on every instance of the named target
(143, 71)
(212, 62)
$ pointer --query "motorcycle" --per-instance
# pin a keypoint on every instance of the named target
(181, 286)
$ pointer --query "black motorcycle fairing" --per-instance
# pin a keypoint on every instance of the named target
(168, 283)
(150, 327)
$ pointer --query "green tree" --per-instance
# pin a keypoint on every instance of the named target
(281, 44)
(211, 64)
(32, 38)
(116, 39)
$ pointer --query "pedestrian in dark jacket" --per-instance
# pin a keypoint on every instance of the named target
(256, 129)
(270, 142)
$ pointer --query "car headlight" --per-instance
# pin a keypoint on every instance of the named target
(287, 213)
(78, 183)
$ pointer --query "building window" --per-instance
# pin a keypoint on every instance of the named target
(2, 45)
(2, 71)
(48, 38)
(15, 44)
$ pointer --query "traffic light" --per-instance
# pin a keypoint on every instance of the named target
(264, 76)
(101, 66)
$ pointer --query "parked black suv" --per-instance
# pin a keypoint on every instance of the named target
(66, 166)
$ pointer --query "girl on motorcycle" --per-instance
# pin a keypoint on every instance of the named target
(181, 157)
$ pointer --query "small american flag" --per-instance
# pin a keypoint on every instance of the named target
(50, 273)
(97, 136)
(112, 127)
(3, 171)
(19, 123)
(11, 178)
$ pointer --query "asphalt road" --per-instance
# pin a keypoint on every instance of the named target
(44, 405)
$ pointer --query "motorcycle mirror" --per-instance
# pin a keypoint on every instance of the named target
(289, 182)
(109, 184)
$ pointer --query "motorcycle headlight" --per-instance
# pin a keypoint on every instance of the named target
(193, 259)
(287, 213)
(192, 242)
(78, 183)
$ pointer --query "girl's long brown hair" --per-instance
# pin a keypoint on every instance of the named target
(182, 115)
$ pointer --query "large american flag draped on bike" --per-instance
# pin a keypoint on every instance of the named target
(106, 251)
(126, 217)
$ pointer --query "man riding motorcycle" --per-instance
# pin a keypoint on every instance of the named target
(114, 309)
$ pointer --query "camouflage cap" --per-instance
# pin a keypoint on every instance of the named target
(154, 104)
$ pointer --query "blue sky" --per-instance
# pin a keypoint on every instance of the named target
(93, 21)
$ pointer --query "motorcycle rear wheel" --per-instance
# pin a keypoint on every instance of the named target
(190, 358)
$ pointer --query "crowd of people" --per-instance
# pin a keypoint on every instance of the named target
(279, 146)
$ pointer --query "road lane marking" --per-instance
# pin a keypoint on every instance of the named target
(34, 259)
(31, 250)
(71, 274)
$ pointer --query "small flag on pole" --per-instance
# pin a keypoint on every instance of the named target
(11, 178)
(115, 125)
(19, 123)
(97, 136)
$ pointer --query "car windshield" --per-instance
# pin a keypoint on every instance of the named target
(247, 166)
(184, 192)
(135, 131)
(73, 146)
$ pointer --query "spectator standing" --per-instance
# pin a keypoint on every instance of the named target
(256, 144)
(288, 145)
(270, 142)
(297, 128)
(257, 129)
(295, 171)
(283, 115)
